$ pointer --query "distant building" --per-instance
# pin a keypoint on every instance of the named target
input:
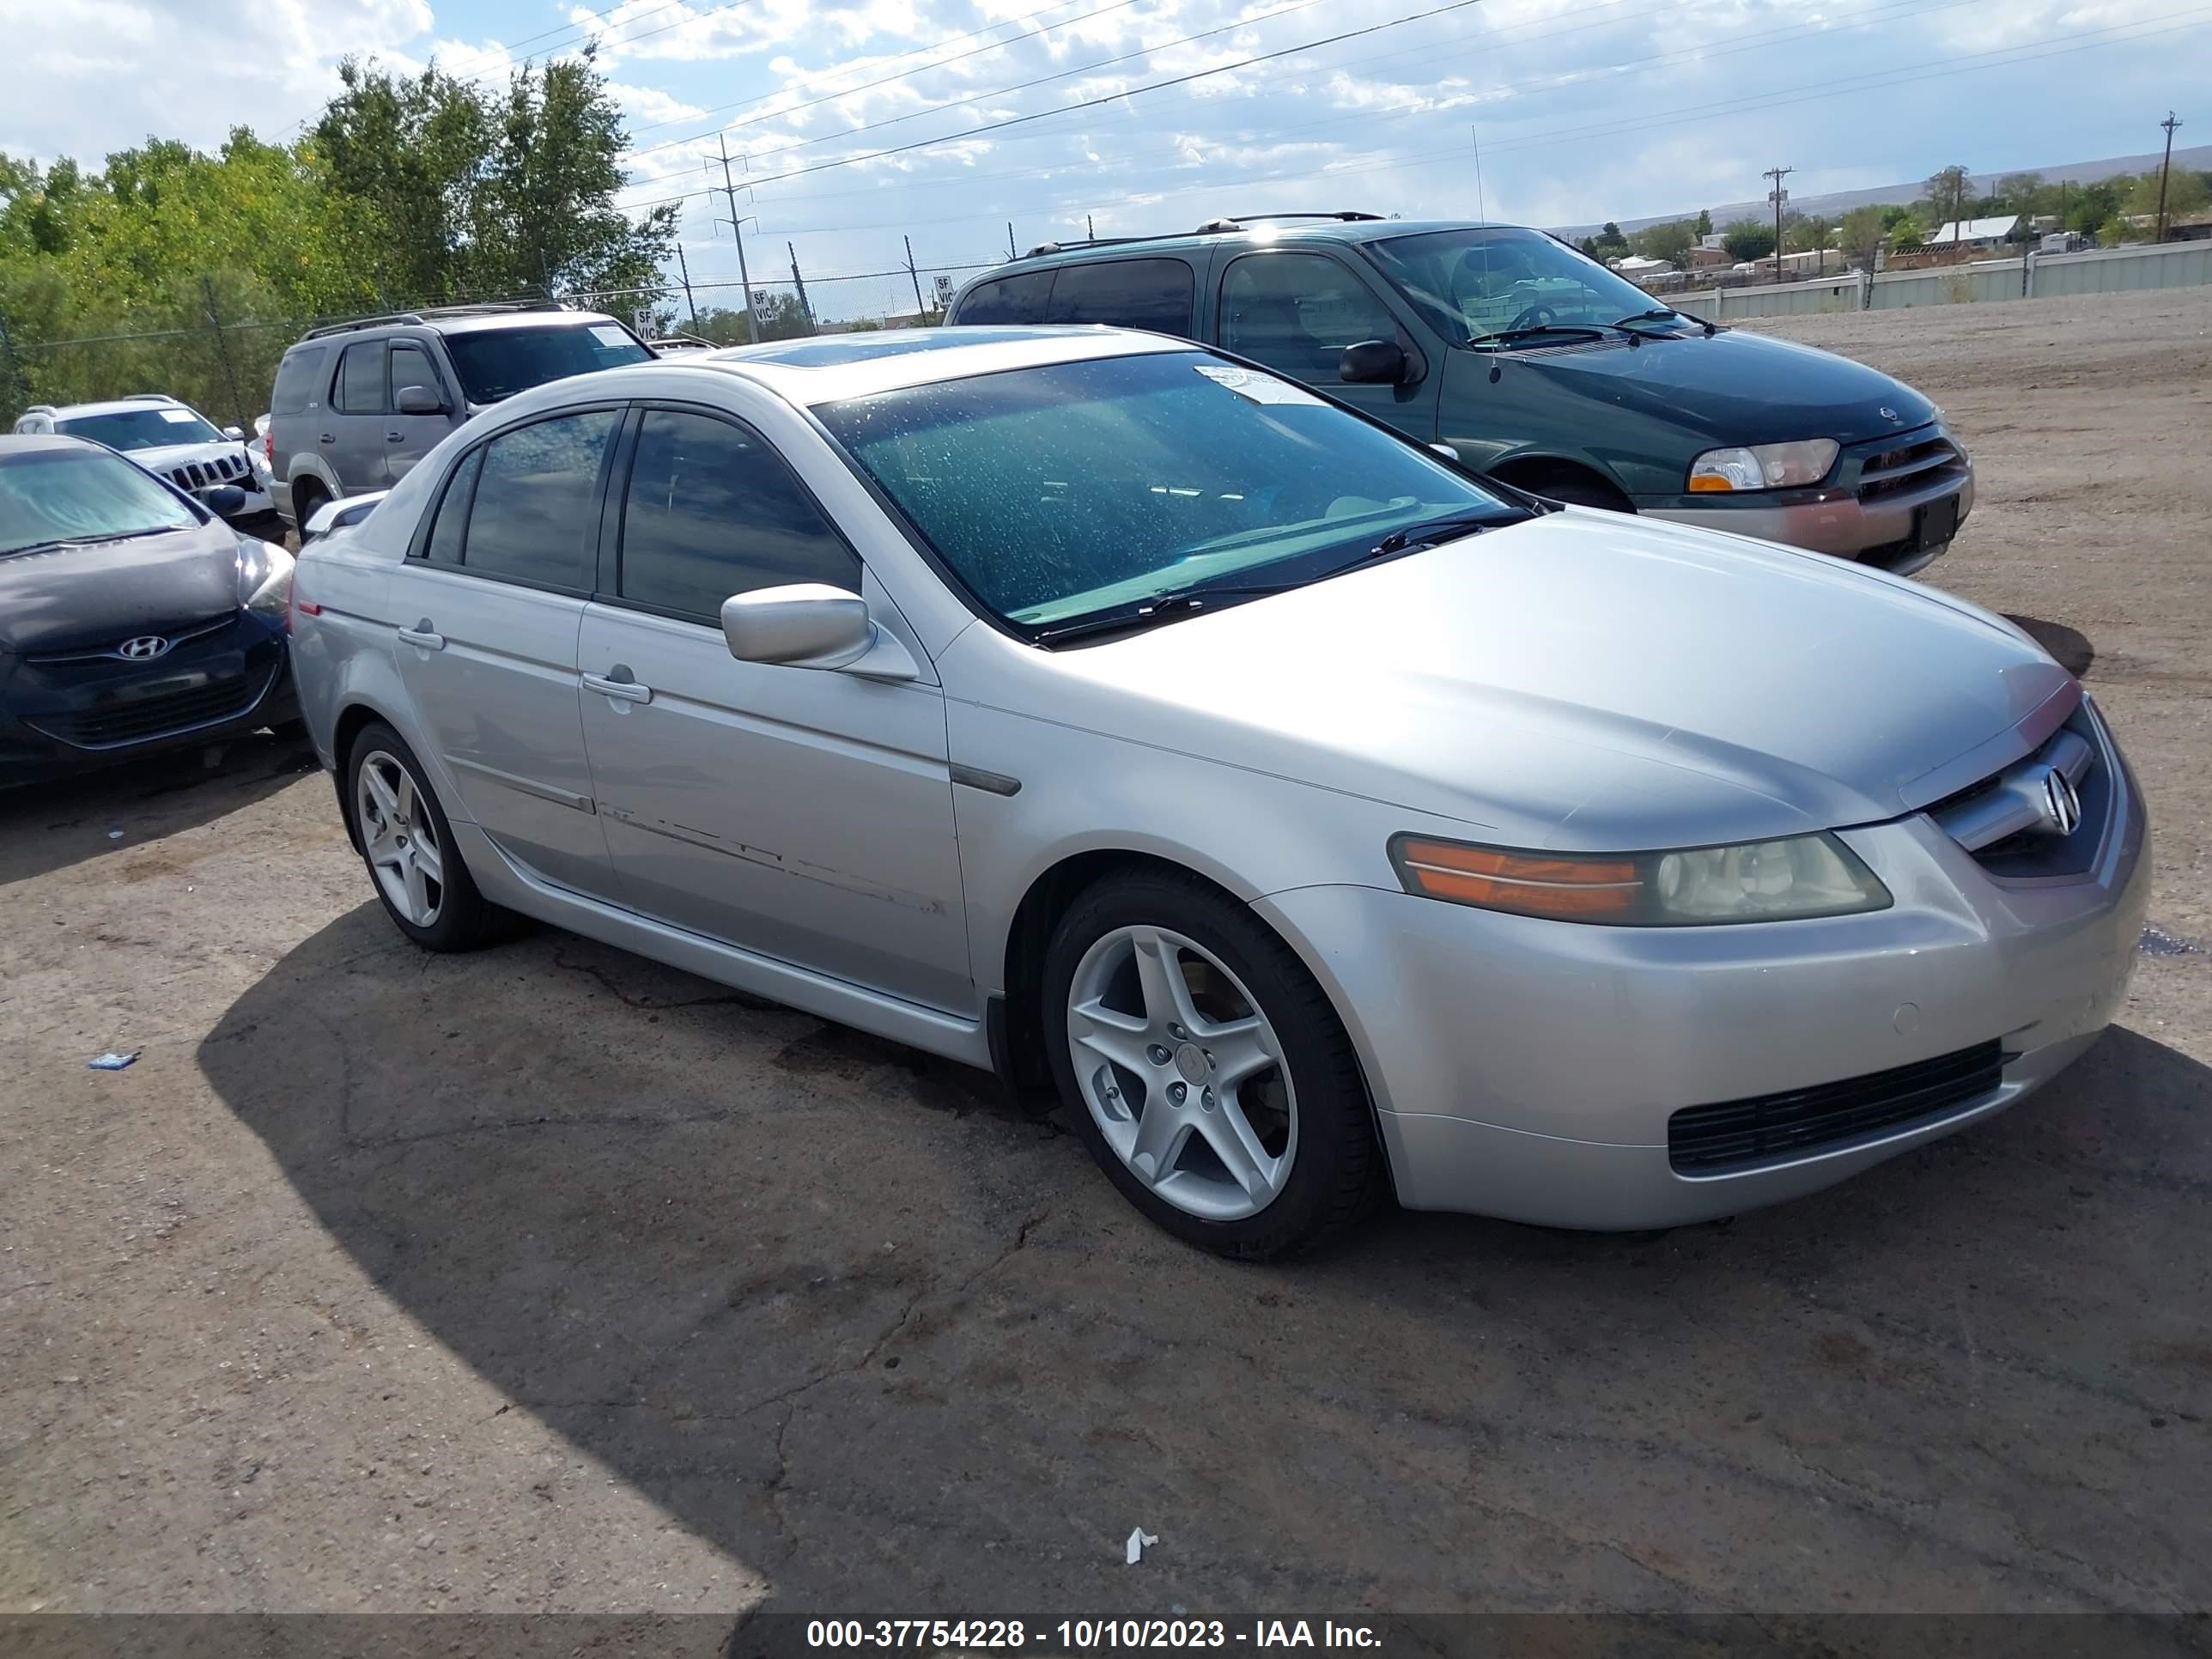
(1983, 233)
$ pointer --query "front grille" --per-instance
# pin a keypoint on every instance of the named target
(1912, 466)
(118, 721)
(1744, 1135)
(1998, 819)
(182, 633)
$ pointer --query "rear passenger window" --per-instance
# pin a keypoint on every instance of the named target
(1153, 293)
(360, 380)
(1019, 299)
(444, 546)
(714, 511)
(296, 379)
(532, 518)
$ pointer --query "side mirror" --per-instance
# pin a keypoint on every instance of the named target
(1373, 362)
(812, 625)
(235, 433)
(420, 400)
(227, 501)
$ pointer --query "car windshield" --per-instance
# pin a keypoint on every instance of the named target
(1479, 282)
(496, 364)
(1080, 488)
(80, 495)
(149, 428)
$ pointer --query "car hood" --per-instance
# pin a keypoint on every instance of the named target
(1583, 681)
(73, 597)
(1732, 387)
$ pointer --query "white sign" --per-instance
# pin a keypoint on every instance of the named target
(1259, 388)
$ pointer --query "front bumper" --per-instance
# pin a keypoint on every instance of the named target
(1528, 1069)
(59, 719)
(1896, 526)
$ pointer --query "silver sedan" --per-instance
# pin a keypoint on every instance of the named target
(1319, 822)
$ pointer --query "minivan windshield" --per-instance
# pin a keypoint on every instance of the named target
(496, 364)
(149, 428)
(1079, 488)
(1486, 281)
(49, 496)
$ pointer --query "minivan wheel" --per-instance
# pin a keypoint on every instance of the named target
(407, 843)
(1205, 1068)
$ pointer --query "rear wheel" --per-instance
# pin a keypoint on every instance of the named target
(1205, 1068)
(407, 843)
(307, 499)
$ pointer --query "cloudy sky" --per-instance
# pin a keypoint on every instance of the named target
(859, 121)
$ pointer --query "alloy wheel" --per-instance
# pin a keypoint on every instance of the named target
(399, 837)
(1182, 1072)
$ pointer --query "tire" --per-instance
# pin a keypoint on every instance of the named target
(448, 912)
(307, 499)
(1297, 1125)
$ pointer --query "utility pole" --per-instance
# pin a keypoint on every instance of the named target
(752, 321)
(2164, 168)
(921, 311)
(684, 271)
(1777, 196)
(799, 283)
(222, 350)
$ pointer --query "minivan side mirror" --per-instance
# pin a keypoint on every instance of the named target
(235, 433)
(813, 625)
(420, 400)
(1373, 362)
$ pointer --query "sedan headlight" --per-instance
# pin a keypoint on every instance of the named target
(1797, 877)
(265, 576)
(1763, 467)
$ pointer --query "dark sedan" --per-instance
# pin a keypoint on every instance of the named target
(132, 619)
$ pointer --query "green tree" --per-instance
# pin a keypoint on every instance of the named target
(2185, 192)
(1949, 195)
(1860, 235)
(1704, 227)
(2116, 231)
(1747, 238)
(1670, 240)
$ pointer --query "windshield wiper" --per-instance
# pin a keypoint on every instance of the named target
(1534, 329)
(1172, 606)
(1663, 313)
(1430, 532)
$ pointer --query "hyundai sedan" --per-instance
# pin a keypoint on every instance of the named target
(1322, 822)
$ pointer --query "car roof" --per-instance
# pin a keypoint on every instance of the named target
(14, 444)
(833, 368)
(117, 406)
(461, 320)
(1254, 234)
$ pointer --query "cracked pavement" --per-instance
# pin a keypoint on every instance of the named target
(549, 1278)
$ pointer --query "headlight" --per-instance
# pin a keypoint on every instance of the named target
(265, 576)
(1763, 467)
(1756, 881)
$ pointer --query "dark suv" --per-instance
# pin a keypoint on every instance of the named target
(357, 403)
(1534, 365)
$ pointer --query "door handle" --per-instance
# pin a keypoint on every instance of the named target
(396, 437)
(423, 635)
(327, 438)
(618, 683)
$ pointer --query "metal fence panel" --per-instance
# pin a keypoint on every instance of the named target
(2109, 271)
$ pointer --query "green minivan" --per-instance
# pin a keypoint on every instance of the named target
(1534, 365)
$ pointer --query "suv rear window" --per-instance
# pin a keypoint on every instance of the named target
(296, 379)
(496, 364)
(1153, 293)
(1016, 299)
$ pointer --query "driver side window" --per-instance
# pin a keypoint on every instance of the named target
(1297, 312)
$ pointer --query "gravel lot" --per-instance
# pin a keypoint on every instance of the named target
(551, 1279)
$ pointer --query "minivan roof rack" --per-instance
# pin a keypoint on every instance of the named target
(1043, 248)
(1349, 216)
(1210, 228)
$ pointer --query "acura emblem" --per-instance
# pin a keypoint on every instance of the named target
(2061, 805)
(144, 649)
(1888, 413)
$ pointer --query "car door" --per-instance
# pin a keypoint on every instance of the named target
(489, 603)
(352, 437)
(409, 438)
(1296, 310)
(802, 813)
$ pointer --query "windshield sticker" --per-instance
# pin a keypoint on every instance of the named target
(1259, 388)
(181, 416)
(609, 334)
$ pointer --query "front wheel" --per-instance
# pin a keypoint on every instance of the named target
(1205, 1068)
(407, 843)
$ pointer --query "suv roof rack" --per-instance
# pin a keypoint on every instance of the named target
(416, 318)
(145, 397)
(1350, 216)
(1043, 248)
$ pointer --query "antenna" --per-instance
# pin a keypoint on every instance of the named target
(1474, 134)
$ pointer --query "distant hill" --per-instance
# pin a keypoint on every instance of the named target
(2073, 173)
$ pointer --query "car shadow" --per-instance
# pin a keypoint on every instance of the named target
(838, 1310)
(49, 826)
(2070, 645)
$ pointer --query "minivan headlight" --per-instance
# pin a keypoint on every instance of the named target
(265, 576)
(1763, 467)
(1793, 878)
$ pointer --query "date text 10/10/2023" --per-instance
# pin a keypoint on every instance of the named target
(986, 1636)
